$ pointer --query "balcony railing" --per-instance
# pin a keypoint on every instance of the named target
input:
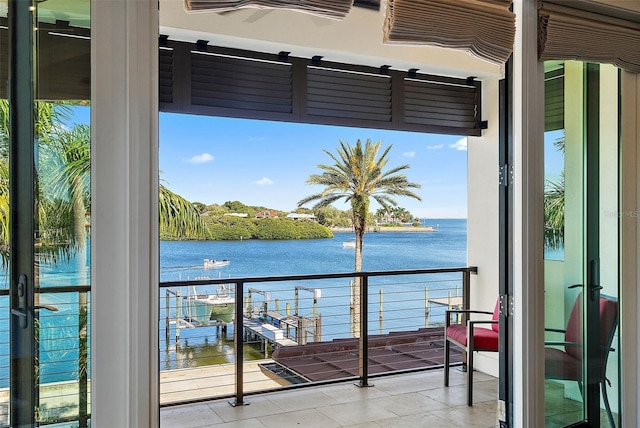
(228, 338)
(292, 331)
(62, 355)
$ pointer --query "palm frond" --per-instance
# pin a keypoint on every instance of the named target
(178, 217)
(358, 175)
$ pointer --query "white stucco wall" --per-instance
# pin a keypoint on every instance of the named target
(630, 298)
(483, 216)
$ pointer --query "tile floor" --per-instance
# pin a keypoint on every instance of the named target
(413, 400)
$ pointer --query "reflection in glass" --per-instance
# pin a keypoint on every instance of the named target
(554, 191)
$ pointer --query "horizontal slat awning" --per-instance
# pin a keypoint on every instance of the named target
(63, 68)
(240, 84)
(337, 93)
(554, 100)
(205, 80)
(215, 81)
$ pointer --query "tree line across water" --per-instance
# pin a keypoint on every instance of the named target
(224, 222)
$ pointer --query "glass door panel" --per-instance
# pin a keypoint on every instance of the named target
(46, 366)
(63, 201)
(581, 245)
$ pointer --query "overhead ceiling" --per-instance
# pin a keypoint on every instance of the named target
(633, 5)
(357, 39)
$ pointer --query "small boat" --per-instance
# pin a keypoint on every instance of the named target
(349, 244)
(213, 263)
(202, 308)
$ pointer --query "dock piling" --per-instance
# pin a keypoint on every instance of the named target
(426, 306)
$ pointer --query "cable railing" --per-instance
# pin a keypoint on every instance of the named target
(293, 331)
(62, 355)
(229, 338)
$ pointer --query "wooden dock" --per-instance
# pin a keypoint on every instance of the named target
(256, 329)
(276, 330)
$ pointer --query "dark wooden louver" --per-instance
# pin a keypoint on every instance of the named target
(233, 83)
(63, 62)
(165, 78)
(240, 84)
(199, 79)
(434, 104)
(341, 94)
(554, 100)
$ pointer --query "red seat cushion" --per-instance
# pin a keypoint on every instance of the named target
(484, 339)
(560, 365)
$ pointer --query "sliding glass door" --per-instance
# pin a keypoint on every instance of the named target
(581, 245)
(45, 212)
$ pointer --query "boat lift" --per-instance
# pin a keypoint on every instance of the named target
(295, 327)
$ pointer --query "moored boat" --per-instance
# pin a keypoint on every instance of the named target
(213, 263)
(202, 308)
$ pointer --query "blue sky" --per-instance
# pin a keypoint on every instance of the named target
(553, 158)
(214, 160)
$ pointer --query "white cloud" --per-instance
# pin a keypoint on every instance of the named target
(202, 158)
(264, 181)
(461, 145)
(409, 154)
(436, 147)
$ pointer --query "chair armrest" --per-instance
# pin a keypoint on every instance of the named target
(448, 312)
(467, 311)
(484, 322)
(472, 324)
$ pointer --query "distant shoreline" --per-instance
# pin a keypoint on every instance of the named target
(388, 229)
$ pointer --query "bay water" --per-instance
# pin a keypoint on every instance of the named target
(404, 299)
(183, 260)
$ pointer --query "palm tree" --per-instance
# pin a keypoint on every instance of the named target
(71, 174)
(554, 207)
(64, 198)
(357, 176)
(381, 214)
(48, 118)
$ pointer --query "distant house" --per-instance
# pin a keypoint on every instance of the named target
(299, 216)
(267, 214)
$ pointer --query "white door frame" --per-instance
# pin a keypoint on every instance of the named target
(124, 213)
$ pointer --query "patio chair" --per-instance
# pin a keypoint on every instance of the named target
(566, 364)
(470, 338)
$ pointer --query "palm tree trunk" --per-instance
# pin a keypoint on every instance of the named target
(80, 233)
(79, 211)
(359, 227)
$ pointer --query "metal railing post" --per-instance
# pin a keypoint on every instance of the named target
(239, 342)
(167, 322)
(363, 340)
(178, 317)
(466, 293)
